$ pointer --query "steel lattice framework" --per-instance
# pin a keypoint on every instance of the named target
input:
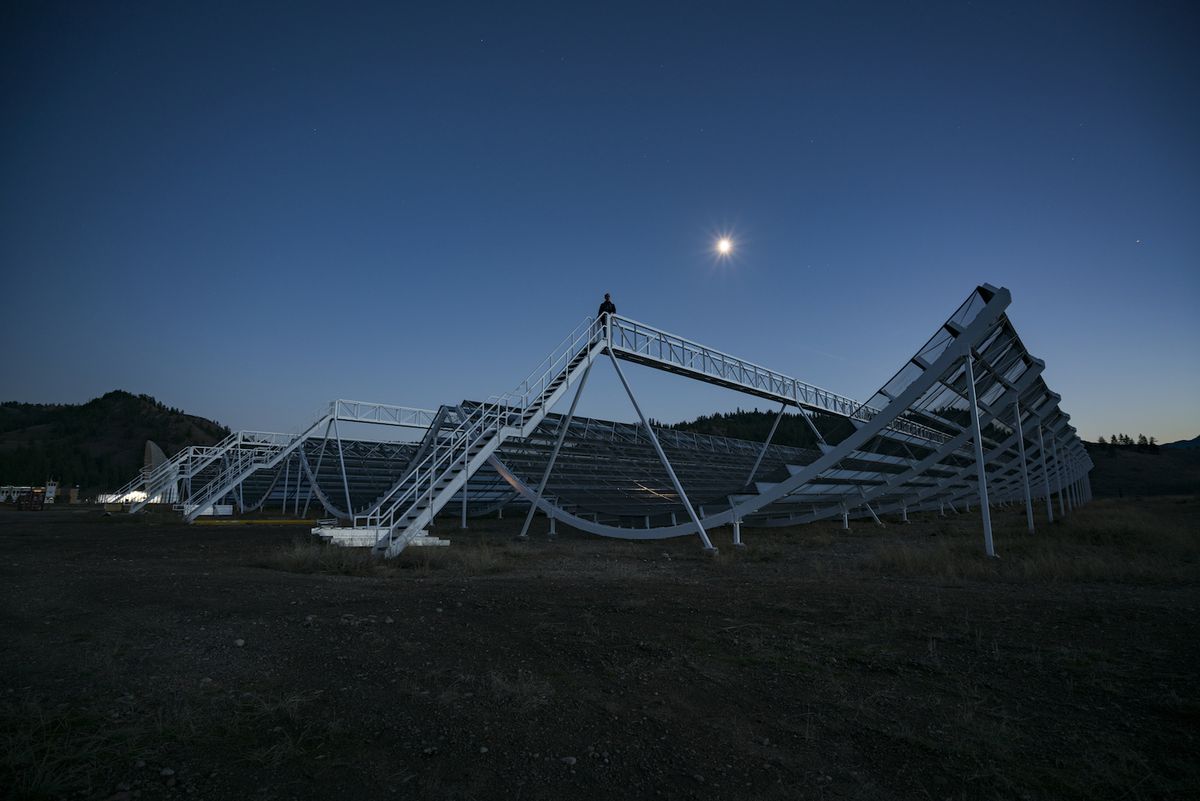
(967, 420)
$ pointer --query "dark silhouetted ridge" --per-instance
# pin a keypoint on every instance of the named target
(95, 445)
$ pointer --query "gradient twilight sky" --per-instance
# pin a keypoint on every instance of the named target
(246, 209)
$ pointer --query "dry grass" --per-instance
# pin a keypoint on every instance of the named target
(1155, 541)
(46, 751)
(314, 556)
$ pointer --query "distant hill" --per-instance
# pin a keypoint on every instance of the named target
(754, 425)
(1127, 471)
(1194, 442)
(97, 445)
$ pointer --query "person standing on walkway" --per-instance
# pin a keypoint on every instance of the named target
(606, 308)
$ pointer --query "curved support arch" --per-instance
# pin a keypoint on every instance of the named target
(254, 507)
(316, 489)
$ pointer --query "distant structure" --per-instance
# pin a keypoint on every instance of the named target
(43, 495)
(967, 421)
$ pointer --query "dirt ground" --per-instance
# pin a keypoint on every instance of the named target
(142, 658)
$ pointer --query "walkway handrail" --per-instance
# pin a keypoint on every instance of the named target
(490, 417)
(639, 339)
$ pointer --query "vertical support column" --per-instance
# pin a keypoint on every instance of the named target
(1024, 466)
(737, 533)
(984, 509)
(687, 504)
(562, 435)
(299, 478)
(1045, 474)
(845, 518)
(904, 513)
(1071, 483)
(466, 481)
(287, 476)
(345, 481)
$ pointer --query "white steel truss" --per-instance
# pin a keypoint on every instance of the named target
(967, 421)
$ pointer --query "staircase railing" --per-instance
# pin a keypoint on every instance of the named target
(187, 462)
(254, 452)
(135, 484)
(485, 420)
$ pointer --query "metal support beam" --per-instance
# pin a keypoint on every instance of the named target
(562, 435)
(874, 516)
(708, 546)
(812, 426)
(767, 444)
(312, 479)
(1068, 480)
(1024, 466)
(342, 463)
(287, 476)
(1045, 475)
(466, 482)
(984, 509)
(737, 534)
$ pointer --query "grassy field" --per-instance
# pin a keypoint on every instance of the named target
(147, 659)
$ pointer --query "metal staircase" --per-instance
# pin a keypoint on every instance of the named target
(136, 484)
(164, 479)
(444, 422)
(249, 456)
(262, 451)
(455, 455)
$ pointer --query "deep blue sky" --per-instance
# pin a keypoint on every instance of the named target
(247, 209)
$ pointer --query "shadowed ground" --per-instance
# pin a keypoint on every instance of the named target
(143, 658)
